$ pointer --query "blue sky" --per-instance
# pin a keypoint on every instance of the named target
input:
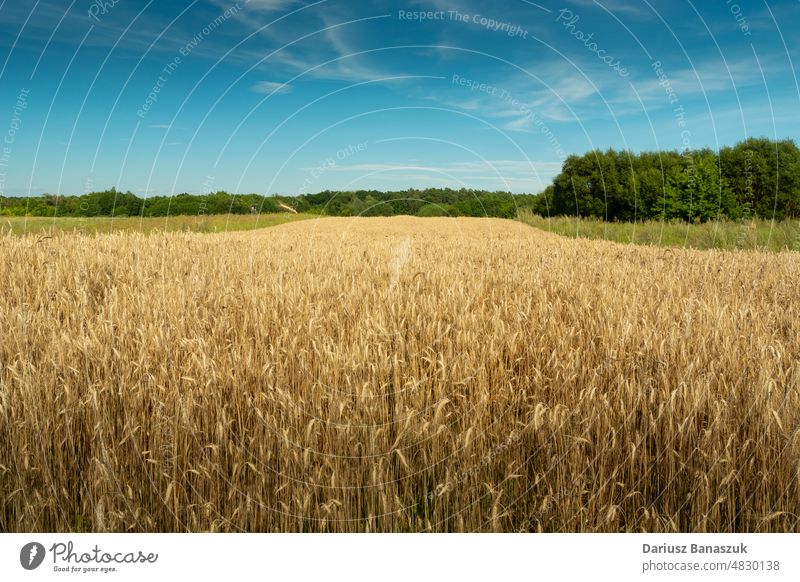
(283, 96)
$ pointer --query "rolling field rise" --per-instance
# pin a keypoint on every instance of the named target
(396, 374)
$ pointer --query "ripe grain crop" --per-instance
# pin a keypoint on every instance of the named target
(396, 374)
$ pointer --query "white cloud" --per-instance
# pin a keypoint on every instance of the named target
(263, 5)
(615, 6)
(711, 76)
(501, 173)
(327, 50)
(271, 87)
(512, 175)
(560, 94)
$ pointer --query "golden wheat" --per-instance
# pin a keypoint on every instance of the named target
(395, 375)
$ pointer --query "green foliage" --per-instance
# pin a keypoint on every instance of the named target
(698, 192)
(766, 176)
(714, 234)
(430, 210)
(357, 203)
(755, 178)
(40, 225)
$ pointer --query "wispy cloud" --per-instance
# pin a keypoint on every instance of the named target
(615, 6)
(324, 41)
(267, 5)
(271, 87)
(515, 100)
(516, 174)
(343, 59)
(710, 76)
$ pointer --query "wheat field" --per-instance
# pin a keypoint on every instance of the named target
(393, 375)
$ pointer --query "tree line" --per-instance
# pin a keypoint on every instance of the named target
(757, 177)
(427, 202)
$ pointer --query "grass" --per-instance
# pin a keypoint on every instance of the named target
(103, 224)
(396, 374)
(726, 235)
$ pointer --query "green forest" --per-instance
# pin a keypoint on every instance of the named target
(756, 178)
(429, 202)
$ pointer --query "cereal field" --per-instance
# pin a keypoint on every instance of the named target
(393, 375)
